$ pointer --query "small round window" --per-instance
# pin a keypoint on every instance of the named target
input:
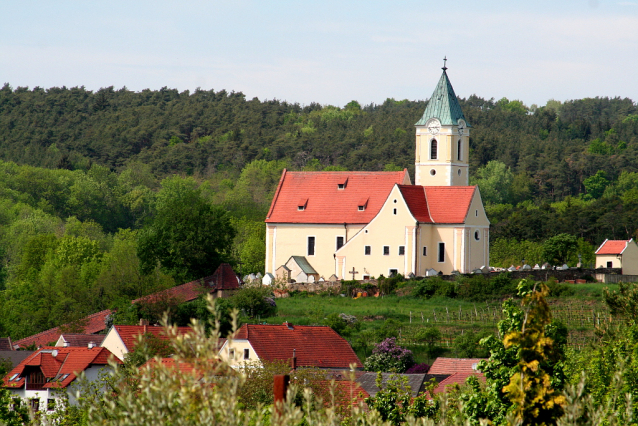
(477, 235)
(432, 172)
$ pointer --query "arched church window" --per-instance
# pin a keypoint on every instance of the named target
(458, 150)
(433, 150)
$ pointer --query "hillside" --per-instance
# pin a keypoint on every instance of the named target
(91, 182)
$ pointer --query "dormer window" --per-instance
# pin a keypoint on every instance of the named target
(301, 205)
(362, 204)
(342, 184)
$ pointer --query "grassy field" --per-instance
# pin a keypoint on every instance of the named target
(580, 312)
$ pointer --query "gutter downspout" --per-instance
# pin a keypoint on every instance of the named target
(414, 238)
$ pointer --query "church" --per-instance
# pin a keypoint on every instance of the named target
(366, 224)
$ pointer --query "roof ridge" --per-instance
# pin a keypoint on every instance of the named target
(279, 185)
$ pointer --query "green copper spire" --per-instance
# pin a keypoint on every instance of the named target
(443, 104)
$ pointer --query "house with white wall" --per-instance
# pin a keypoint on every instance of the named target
(45, 377)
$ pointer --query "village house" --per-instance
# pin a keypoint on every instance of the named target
(618, 254)
(44, 377)
(122, 339)
(358, 225)
(300, 345)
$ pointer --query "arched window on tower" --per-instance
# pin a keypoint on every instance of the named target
(458, 150)
(433, 150)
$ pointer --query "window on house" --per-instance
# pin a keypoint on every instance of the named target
(477, 235)
(610, 265)
(401, 250)
(386, 250)
(441, 252)
(433, 149)
(35, 404)
(394, 211)
(393, 272)
(311, 246)
(476, 213)
(246, 353)
(366, 250)
(362, 208)
(425, 251)
(458, 150)
(231, 354)
(342, 184)
(50, 404)
(339, 242)
(301, 205)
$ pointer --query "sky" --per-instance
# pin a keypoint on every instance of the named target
(329, 51)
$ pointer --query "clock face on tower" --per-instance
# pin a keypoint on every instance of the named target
(461, 127)
(433, 125)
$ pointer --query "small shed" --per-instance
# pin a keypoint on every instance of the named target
(301, 269)
(283, 274)
(618, 254)
(268, 279)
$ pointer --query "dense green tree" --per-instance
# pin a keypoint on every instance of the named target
(188, 237)
(558, 249)
(255, 302)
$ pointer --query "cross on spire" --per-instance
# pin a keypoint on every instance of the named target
(444, 63)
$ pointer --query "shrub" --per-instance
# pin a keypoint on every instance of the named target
(387, 356)
(418, 369)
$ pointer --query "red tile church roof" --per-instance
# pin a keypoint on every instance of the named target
(325, 202)
(613, 246)
(438, 204)
(315, 346)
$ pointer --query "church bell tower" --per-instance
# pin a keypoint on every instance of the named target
(442, 140)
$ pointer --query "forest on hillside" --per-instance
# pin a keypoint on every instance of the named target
(98, 189)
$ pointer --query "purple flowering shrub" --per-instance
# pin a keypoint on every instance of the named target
(418, 369)
(388, 357)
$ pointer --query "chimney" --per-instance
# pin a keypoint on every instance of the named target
(289, 325)
(91, 345)
(293, 361)
(280, 387)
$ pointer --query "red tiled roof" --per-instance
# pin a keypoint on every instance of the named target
(5, 344)
(94, 324)
(346, 392)
(454, 365)
(414, 196)
(326, 202)
(224, 278)
(82, 339)
(613, 246)
(129, 333)
(315, 346)
(449, 204)
(457, 378)
(438, 204)
(68, 362)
